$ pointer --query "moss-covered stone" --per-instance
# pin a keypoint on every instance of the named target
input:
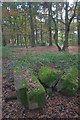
(48, 75)
(37, 94)
(70, 82)
(20, 86)
(29, 90)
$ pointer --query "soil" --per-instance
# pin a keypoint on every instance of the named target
(56, 106)
(42, 49)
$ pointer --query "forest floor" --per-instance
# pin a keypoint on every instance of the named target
(42, 49)
(56, 106)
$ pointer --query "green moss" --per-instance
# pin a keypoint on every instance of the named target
(20, 86)
(22, 96)
(33, 97)
(48, 75)
(37, 96)
(70, 82)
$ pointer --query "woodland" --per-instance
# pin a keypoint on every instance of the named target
(40, 60)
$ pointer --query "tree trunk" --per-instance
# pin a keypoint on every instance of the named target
(78, 33)
(25, 33)
(20, 39)
(67, 24)
(56, 39)
(36, 29)
(62, 30)
(66, 27)
(56, 30)
(17, 28)
(41, 33)
(31, 26)
(36, 35)
(65, 47)
(49, 23)
(3, 40)
(17, 39)
(78, 22)
(14, 29)
(10, 27)
(56, 34)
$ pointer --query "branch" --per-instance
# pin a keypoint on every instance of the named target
(61, 21)
(56, 19)
(56, 40)
(70, 20)
(70, 8)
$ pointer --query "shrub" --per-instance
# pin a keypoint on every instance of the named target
(70, 82)
(47, 75)
(42, 43)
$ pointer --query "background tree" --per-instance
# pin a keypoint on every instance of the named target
(78, 22)
(49, 23)
(31, 25)
(25, 24)
(68, 22)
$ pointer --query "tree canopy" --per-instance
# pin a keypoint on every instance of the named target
(33, 23)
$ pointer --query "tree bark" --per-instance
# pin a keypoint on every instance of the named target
(36, 35)
(56, 29)
(17, 27)
(25, 37)
(36, 29)
(49, 23)
(67, 24)
(31, 26)
(41, 33)
(56, 34)
(3, 40)
(78, 23)
(66, 27)
(79, 33)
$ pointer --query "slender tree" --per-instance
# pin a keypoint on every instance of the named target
(31, 25)
(78, 22)
(67, 23)
(55, 20)
(3, 38)
(49, 23)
